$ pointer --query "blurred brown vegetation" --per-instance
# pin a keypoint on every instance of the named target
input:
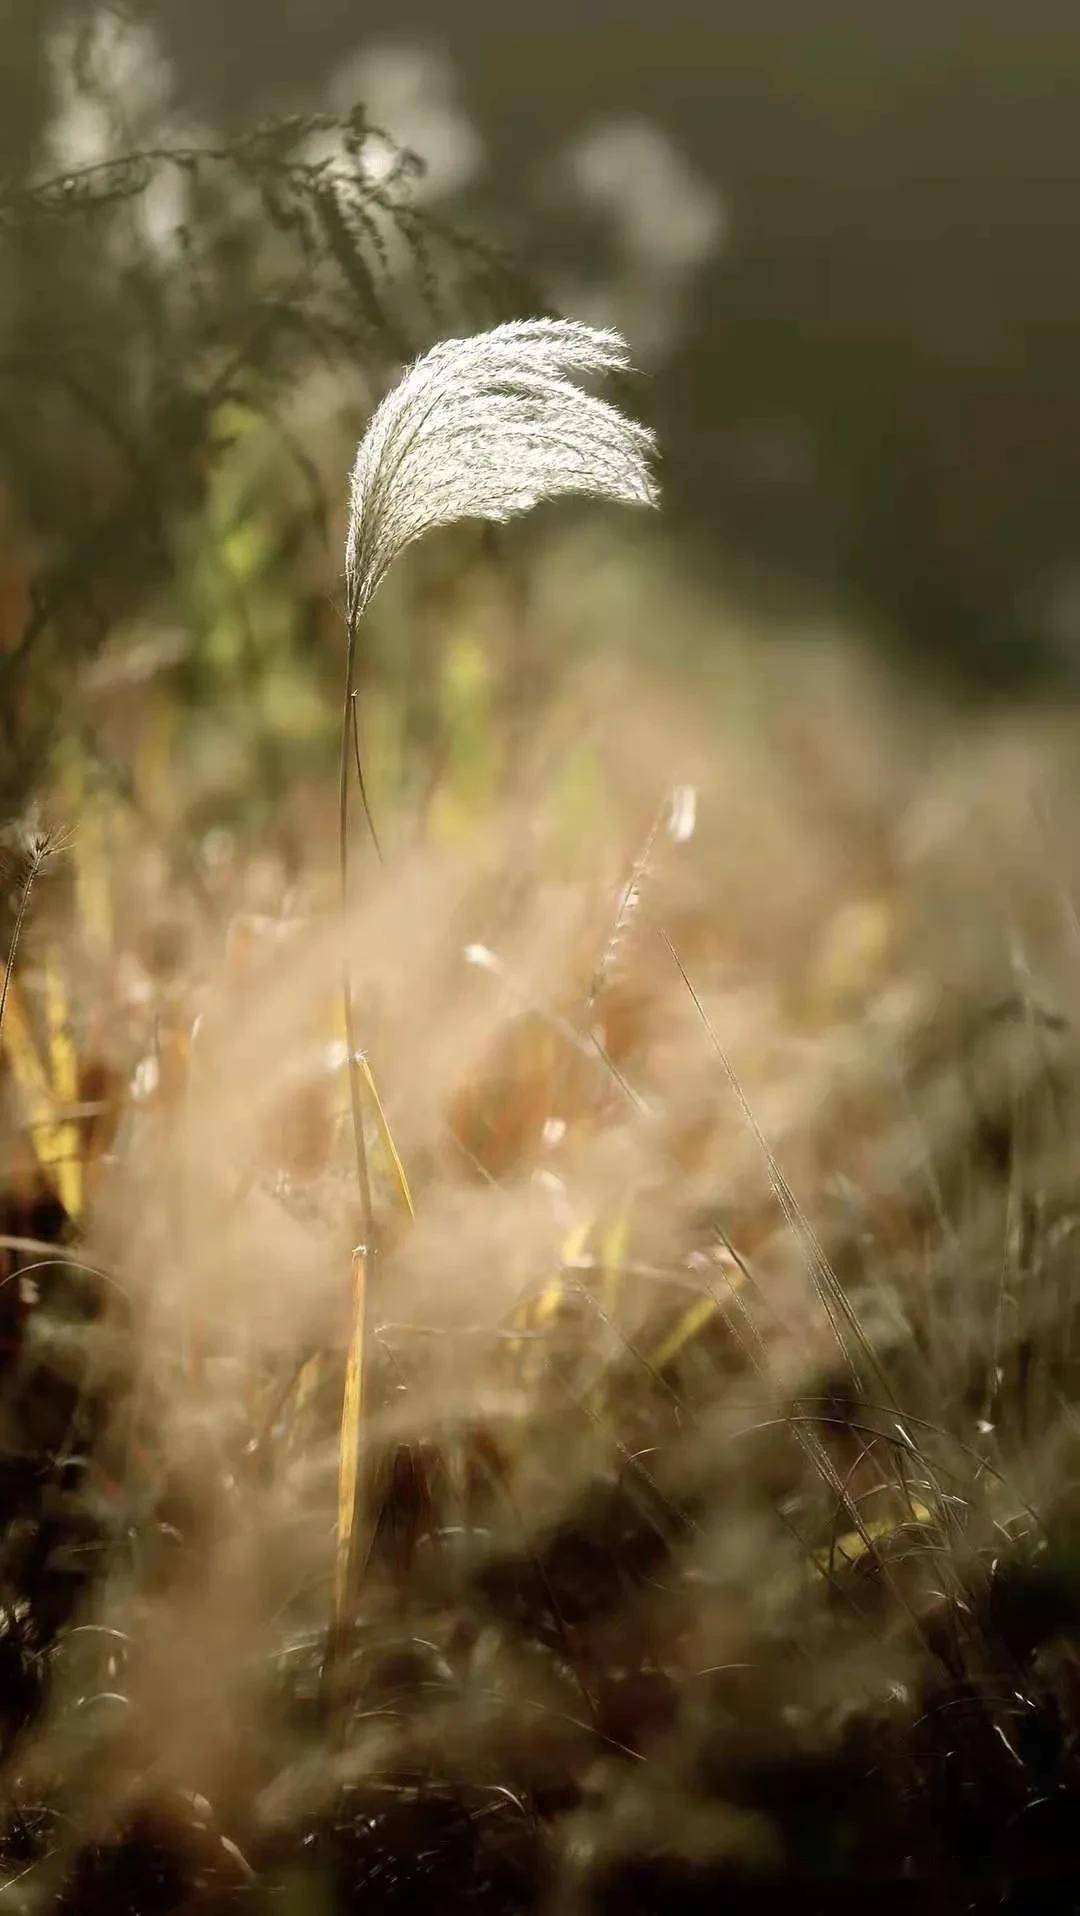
(718, 991)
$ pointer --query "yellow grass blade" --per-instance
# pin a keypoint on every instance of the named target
(65, 1085)
(689, 1324)
(692, 1321)
(55, 1142)
(26, 1065)
(349, 1450)
(855, 1543)
(350, 1446)
(387, 1138)
(544, 1309)
(552, 1294)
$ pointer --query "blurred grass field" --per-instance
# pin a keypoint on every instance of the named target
(707, 1471)
(717, 1455)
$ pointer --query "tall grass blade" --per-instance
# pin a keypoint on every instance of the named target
(387, 1139)
(478, 428)
(349, 1450)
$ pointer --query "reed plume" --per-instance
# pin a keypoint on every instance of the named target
(479, 428)
(486, 428)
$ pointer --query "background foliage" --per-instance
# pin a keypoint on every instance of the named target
(717, 1454)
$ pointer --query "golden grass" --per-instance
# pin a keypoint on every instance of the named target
(797, 1337)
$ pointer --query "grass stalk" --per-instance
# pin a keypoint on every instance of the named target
(38, 855)
(349, 1459)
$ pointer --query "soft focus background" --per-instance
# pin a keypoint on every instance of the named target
(844, 236)
(703, 1437)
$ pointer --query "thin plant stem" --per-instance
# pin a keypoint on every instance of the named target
(34, 864)
(360, 781)
(349, 1462)
(363, 1176)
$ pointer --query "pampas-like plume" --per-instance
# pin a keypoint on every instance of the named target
(480, 428)
(485, 428)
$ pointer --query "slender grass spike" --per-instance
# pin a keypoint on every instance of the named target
(479, 428)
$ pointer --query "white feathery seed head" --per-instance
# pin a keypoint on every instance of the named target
(485, 428)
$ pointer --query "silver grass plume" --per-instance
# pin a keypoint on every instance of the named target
(480, 428)
(485, 428)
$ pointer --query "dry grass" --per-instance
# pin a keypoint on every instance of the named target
(719, 1439)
